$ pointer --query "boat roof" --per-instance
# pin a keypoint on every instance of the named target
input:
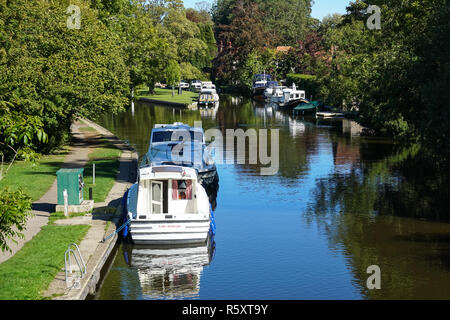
(175, 126)
(167, 172)
(208, 91)
(163, 151)
(293, 90)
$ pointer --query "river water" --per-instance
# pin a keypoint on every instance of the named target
(339, 204)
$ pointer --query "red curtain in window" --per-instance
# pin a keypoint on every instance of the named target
(174, 190)
(189, 189)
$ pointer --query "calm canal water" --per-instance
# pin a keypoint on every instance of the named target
(339, 204)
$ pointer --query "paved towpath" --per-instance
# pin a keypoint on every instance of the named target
(81, 146)
(93, 250)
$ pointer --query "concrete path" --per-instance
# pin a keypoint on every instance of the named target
(81, 146)
(103, 223)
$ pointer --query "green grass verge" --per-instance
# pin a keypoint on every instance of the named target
(87, 129)
(30, 271)
(60, 216)
(106, 159)
(35, 180)
(166, 95)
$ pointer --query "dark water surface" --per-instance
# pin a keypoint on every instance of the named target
(339, 204)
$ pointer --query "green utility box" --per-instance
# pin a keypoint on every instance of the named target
(72, 181)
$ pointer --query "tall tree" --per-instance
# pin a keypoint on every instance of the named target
(286, 21)
(55, 72)
(238, 39)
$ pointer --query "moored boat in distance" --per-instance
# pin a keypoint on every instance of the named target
(307, 108)
(292, 97)
(260, 84)
(169, 206)
(208, 85)
(275, 94)
(270, 89)
(196, 85)
(184, 85)
(208, 98)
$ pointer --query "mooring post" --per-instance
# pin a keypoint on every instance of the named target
(66, 203)
(132, 101)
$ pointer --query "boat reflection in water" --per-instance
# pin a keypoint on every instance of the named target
(170, 272)
(209, 113)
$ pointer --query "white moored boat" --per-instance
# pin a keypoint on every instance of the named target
(169, 206)
(292, 97)
(274, 94)
(208, 98)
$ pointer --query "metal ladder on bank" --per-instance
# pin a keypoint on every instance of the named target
(68, 264)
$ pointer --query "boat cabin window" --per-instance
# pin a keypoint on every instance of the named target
(169, 136)
(181, 189)
(206, 97)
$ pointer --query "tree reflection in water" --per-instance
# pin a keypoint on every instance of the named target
(386, 213)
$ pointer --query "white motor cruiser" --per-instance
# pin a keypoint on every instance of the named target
(196, 85)
(292, 97)
(208, 98)
(274, 94)
(169, 206)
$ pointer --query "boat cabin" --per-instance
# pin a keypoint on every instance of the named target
(163, 134)
(290, 95)
(262, 77)
(208, 95)
(208, 85)
(166, 190)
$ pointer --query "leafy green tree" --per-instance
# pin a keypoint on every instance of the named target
(222, 12)
(20, 134)
(187, 38)
(285, 20)
(189, 72)
(15, 211)
(109, 8)
(58, 73)
(252, 66)
(173, 74)
(238, 39)
(397, 76)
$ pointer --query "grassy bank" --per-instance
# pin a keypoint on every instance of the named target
(36, 179)
(166, 95)
(106, 159)
(30, 271)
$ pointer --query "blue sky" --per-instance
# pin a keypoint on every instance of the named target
(320, 9)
